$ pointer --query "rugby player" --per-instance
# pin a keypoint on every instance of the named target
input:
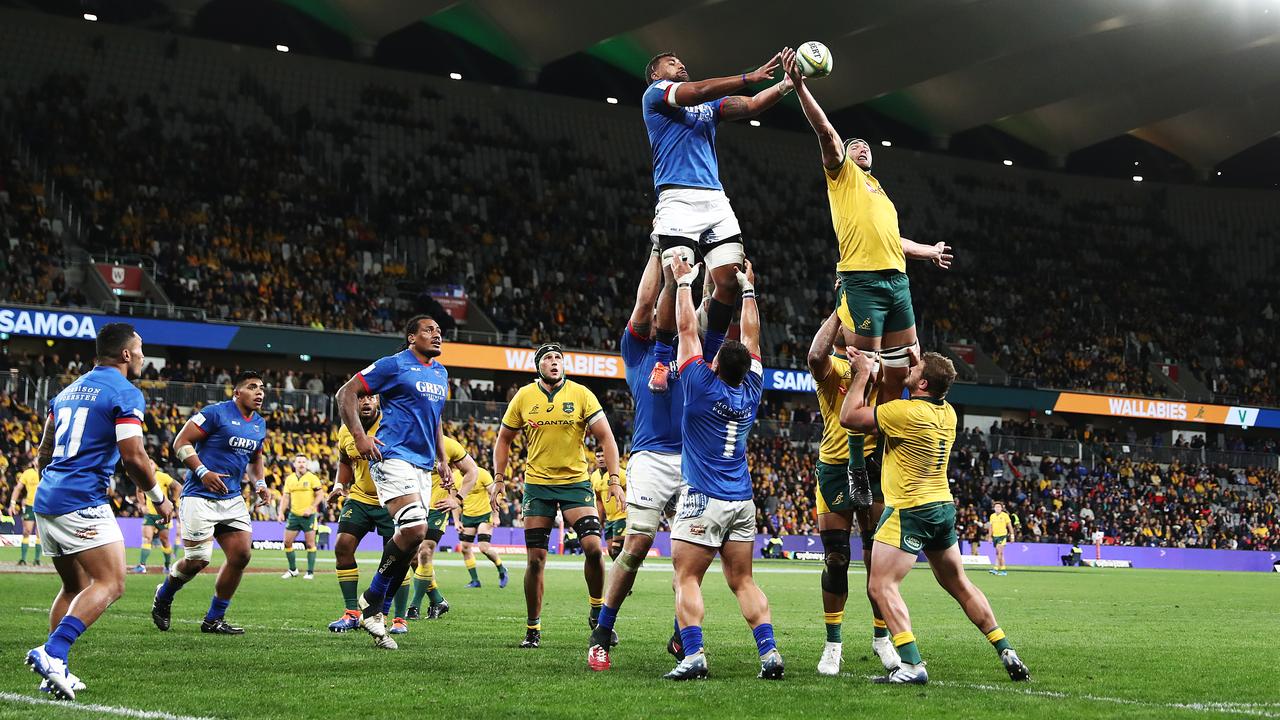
(24, 499)
(153, 526)
(303, 494)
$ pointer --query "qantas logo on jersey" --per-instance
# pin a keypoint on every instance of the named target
(541, 423)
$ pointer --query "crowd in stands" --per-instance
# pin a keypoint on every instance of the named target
(248, 222)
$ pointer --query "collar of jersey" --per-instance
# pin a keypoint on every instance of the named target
(429, 363)
(551, 396)
(929, 399)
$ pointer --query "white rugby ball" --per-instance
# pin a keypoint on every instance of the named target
(814, 59)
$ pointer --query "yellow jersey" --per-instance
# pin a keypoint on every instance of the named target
(302, 492)
(1000, 523)
(30, 480)
(163, 481)
(454, 452)
(613, 510)
(865, 221)
(476, 502)
(362, 489)
(554, 424)
(918, 434)
(831, 391)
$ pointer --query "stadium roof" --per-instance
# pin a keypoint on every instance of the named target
(1198, 78)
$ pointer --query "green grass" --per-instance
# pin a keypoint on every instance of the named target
(1099, 643)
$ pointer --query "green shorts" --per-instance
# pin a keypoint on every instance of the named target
(471, 521)
(833, 488)
(154, 521)
(999, 539)
(358, 519)
(29, 513)
(543, 500)
(928, 527)
(873, 303)
(438, 519)
(304, 523)
(615, 528)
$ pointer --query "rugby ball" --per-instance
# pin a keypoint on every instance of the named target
(814, 59)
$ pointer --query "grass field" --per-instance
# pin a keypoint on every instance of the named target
(1100, 643)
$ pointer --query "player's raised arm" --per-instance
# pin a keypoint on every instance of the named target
(686, 94)
(939, 253)
(686, 315)
(750, 320)
(828, 139)
(854, 413)
(647, 294)
(820, 349)
(740, 107)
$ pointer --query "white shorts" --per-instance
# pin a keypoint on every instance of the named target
(704, 520)
(654, 480)
(78, 531)
(396, 478)
(202, 518)
(703, 216)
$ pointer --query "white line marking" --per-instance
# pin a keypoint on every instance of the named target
(189, 621)
(1231, 708)
(90, 707)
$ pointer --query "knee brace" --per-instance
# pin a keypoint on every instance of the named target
(410, 515)
(484, 537)
(643, 521)
(835, 560)
(588, 525)
(630, 563)
(898, 357)
(537, 538)
(200, 553)
(466, 538)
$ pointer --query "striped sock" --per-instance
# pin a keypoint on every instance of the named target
(879, 628)
(433, 590)
(997, 639)
(596, 604)
(292, 557)
(833, 621)
(146, 553)
(349, 583)
(471, 568)
(311, 562)
(905, 642)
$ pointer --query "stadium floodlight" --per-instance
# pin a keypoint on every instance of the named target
(1008, 163)
(1137, 178)
(91, 17)
(755, 123)
(455, 76)
(282, 48)
(611, 100)
(1219, 173)
(886, 143)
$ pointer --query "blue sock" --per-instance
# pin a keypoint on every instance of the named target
(661, 352)
(217, 608)
(63, 636)
(608, 616)
(169, 588)
(378, 587)
(691, 640)
(764, 638)
(711, 343)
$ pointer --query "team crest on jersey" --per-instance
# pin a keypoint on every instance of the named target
(568, 408)
(533, 409)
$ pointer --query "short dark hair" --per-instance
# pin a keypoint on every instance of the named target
(653, 64)
(411, 327)
(734, 362)
(245, 376)
(112, 339)
(940, 372)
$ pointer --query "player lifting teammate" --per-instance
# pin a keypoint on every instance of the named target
(692, 210)
(219, 444)
(94, 423)
(919, 514)
(836, 513)
(716, 513)
(874, 297)
(413, 387)
(554, 413)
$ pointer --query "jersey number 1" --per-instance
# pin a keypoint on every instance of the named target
(730, 438)
(61, 447)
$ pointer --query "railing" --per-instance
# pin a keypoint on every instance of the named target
(1035, 446)
(187, 394)
(1092, 453)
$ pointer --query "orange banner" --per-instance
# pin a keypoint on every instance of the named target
(1172, 410)
(491, 357)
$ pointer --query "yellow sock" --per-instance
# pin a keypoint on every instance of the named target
(422, 572)
(345, 574)
(595, 602)
(497, 561)
(470, 563)
(833, 618)
(408, 580)
(903, 638)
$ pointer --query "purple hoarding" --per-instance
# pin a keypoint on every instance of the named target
(1015, 554)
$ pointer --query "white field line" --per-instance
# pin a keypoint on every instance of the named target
(8, 697)
(190, 621)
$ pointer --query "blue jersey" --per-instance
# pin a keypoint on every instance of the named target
(230, 442)
(717, 421)
(412, 394)
(683, 138)
(90, 416)
(657, 418)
